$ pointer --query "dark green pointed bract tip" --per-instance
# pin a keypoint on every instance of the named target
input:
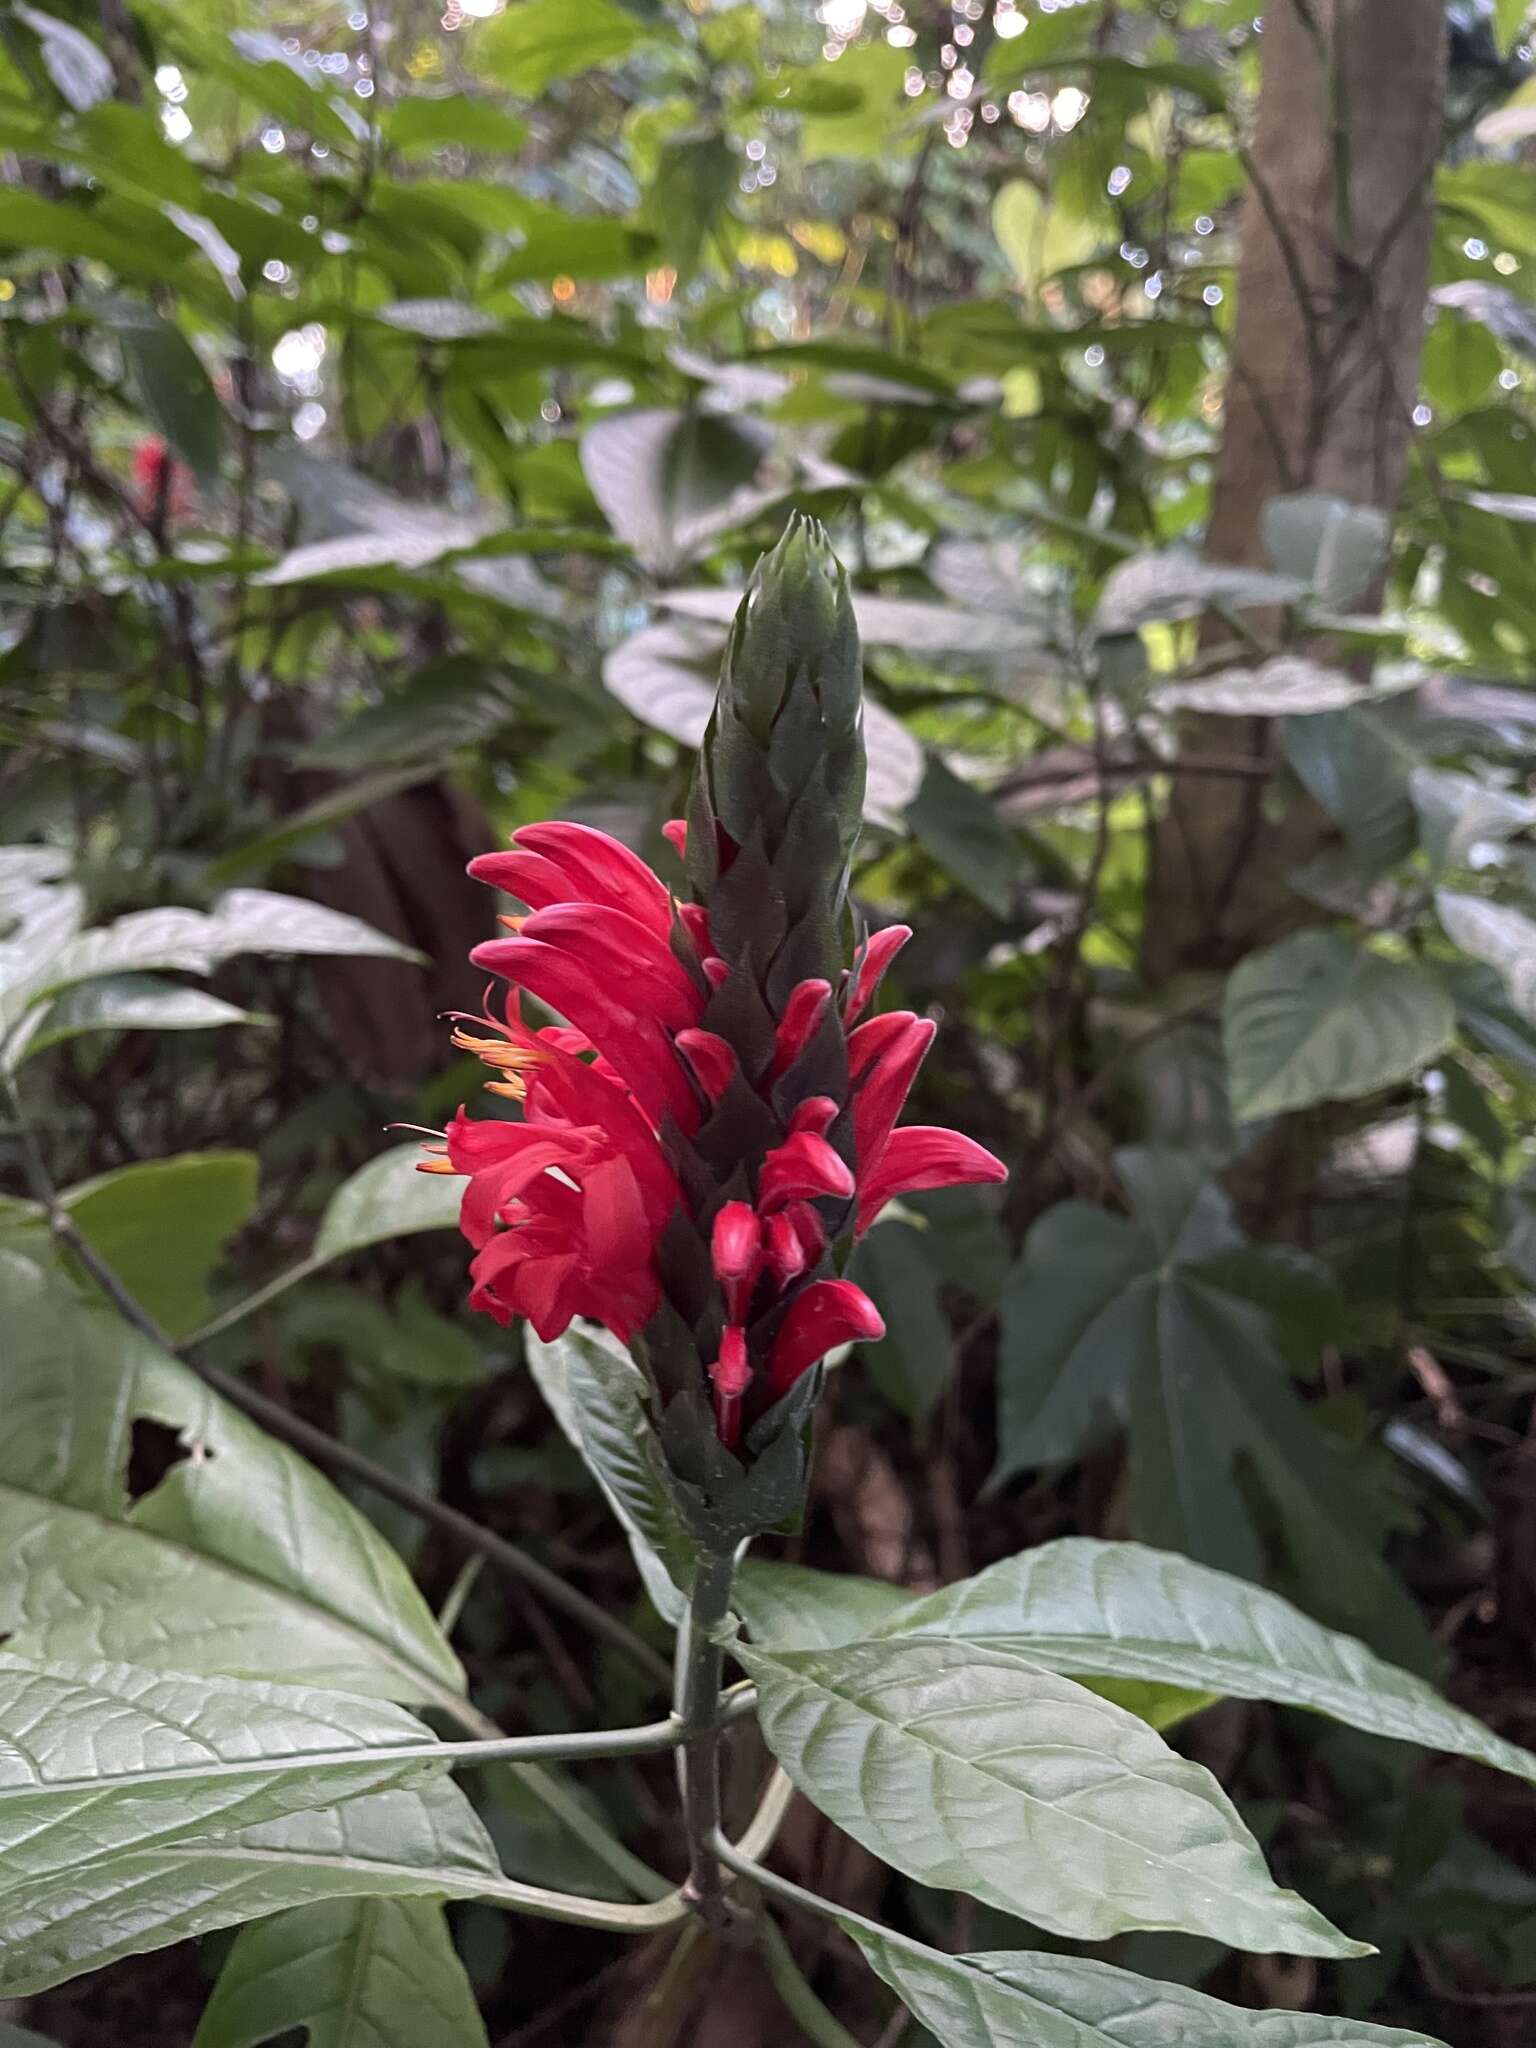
(781, 771)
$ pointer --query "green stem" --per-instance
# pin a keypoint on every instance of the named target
(700, 1659)
(798, 1999)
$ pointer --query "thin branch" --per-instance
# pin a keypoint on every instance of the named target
(798, 1999)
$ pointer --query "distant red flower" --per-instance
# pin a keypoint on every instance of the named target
(163, 487)
(568, 1209)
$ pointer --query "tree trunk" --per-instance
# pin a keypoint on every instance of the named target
(1331, 295)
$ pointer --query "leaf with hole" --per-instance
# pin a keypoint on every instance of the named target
(1321, 1018)
(144, 1519)
(975, 1771)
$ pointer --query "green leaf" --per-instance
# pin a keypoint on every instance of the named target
(596, 1394)
(874, 71)
(911, 1364)
(1167, 1324)
(189, 941)
(134, 1002)
(1502, 937)
(1038, 237)
(1094, 1609)
(795, 1608)
(103, 1757)
(1457, 812)
(668, 481)
(1175, 584)
(904, 622)
(352, 1973)
(1004, 2000)
(1289, 684)
(81, 71)
(1337, 549)
(975, 1771)
(389, 1197)
(537, 41)
(1357, 768)
(960, 827)
(1320, 1018)
(217, 1551)
(193, 1203)
(126, 1892)
(170, 384)
(418, 125)
(22, 2037)
(1461, 360)
(445, 706)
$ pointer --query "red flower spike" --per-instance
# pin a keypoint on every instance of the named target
(803, 1168)
(878, 951)
(827, 1313)
(645, 1110)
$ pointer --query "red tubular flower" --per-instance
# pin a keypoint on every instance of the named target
(711, 1123)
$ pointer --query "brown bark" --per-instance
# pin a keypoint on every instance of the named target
(1325, 356)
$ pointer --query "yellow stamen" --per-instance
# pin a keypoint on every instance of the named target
(515, 1090)
(513, 924)
(498, 1052)
(436, 1166)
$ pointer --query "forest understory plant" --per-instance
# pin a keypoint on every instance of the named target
(690, 1154)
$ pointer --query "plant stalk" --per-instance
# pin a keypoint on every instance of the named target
(700, 1659)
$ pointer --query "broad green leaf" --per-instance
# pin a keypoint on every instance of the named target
(225, 1554)
(597, 1396)
(1037, 236)
(961, 828)
(1337, 549)
(419, 124)
(162, 1224)
(911, 1364)
(1289, 684)
(351, 1973)
(667, 481)
(978, 1772)
(876, 123)
(1459, 811)
(170, 383)
(80, 69)
(1167, 1324)
(446, 705)
(1461, 360)
(1499, 935)
(389, 1197)
(537, 41)
(134, 1002)
(795, 1608)
(1119, 1609)
(660, 672)
(193, 942)
(96, 1758)
(1177, 585)
(400, 1844)
(1007, 2000)
(1357, 768)
(1320, 1018)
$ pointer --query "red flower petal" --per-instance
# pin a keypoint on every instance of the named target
(602, 869)
(879, 950)
(805, 1009)
(828, 1312)
(801, 1169)
(609, 943)
(884, 1056)
(920, 1157)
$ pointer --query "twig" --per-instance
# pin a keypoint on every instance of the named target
(697, 1705)
(795, 1993)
